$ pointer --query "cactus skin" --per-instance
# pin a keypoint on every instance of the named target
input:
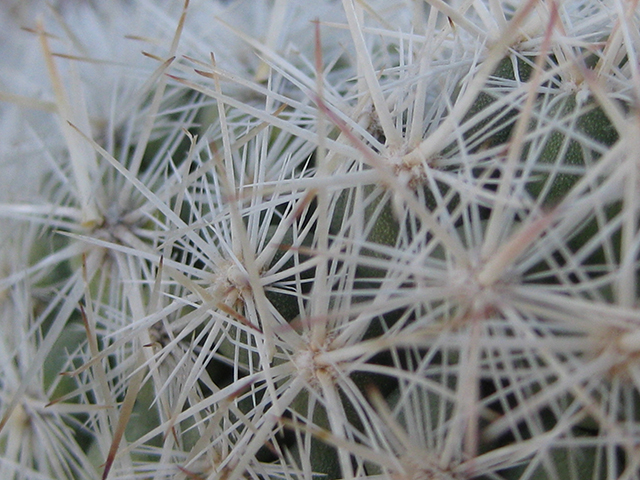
(563, 151)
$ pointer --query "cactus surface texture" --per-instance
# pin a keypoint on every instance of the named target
(333, 239)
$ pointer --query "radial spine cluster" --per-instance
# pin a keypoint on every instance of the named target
(287, 240)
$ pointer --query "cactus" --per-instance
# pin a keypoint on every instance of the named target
(386, 239)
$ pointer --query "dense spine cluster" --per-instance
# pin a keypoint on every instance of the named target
(359, 239)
